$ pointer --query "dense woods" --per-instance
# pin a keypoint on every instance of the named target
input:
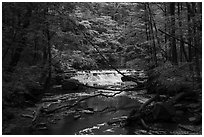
(42, 41)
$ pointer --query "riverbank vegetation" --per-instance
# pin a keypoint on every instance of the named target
(45, 44)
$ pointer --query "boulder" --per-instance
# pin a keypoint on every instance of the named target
(127, 78)
(87, 111)
(70, 84)
(77, 117)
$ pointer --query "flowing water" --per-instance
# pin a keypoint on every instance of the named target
(104, 109)
(114, 107)
(93, 116)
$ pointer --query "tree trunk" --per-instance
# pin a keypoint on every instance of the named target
(17, 54)
(21, 43)
(165, 29)
(10, 45)
(182, 48)
(147, 31)
(153, 38)
(163, 52)
(173, 40)
(194, 11)
(35, 51)
(180, 32)
(44, 54)
(48, 79)
(189, 32)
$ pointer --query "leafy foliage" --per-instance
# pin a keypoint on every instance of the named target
(62, 35)
(171, 79)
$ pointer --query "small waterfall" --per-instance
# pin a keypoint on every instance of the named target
(104, 77)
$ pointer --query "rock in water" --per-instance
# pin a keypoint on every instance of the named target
(77, 117)
(70, 84)
(87, 112)
(127, 78)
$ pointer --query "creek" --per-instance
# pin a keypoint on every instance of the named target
(87, 112)
(91, 116)
(105, 109)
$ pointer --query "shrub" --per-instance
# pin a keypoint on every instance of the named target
(83, 63)
(170, 79)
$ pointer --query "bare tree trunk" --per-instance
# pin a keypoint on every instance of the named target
(149, 38)
(147, 30)
(165, 29)
(163, 52)
(182, 48)
(173, 40)
(10, 45)
(194, 11)
(180, 33)
(189, 32)
(21, 43)
(35, 51)
(153, 38)
(48, 80)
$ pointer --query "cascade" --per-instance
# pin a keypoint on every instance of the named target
(101, 77)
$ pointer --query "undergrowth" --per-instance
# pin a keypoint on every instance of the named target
(171, 79)
(20, 85)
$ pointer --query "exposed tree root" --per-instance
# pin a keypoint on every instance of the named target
(139, 115)
(144, 124)
(148, 102)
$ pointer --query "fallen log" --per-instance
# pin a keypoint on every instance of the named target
(103, 88)
(100, 94)
(76, 103)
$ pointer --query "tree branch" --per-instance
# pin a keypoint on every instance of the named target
(76, 103)
(199, 51)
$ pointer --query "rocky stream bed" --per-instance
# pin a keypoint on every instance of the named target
(87, 111)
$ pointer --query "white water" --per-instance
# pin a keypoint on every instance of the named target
(105, 77)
